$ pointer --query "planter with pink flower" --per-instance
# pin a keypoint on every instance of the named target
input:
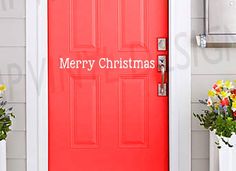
(6, 116)
(220, 120)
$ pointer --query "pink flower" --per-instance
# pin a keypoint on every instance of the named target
(216, 88)
(225, 102)
(233, 91)
(234, 114)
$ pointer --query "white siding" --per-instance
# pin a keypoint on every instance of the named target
(16, 165)
(12, 73)
(208, 65)
(200, 148)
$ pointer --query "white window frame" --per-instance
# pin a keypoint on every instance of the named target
(179, 89)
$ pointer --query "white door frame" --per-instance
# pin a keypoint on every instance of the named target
(179, 89)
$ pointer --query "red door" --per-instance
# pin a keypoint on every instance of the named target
(104, 110)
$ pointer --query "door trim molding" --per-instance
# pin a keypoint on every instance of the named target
(179, 78)
(180, 85)
(37, 85)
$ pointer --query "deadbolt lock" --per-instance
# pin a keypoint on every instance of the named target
(161, 44)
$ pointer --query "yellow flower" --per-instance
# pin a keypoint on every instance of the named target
(211, 93)
(228, 84)
(234, 106)
(220, 83)
(233, 97)
(3, 87)
(224, 94)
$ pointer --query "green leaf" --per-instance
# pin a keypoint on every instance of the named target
(5, 120)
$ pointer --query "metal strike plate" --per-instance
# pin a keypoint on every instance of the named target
(164, 93)
(161, 44)
(161, 61)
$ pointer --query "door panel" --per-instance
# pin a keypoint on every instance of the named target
(107, 119)
(133, 121)
(84, 25)
(84, 127)
(130, 14)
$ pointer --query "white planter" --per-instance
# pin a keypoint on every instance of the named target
(222, 159)
(3, 156)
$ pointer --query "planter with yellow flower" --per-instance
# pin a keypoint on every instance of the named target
(6, 116)
(220, 120)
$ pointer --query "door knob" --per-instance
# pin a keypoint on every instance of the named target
(162, 90)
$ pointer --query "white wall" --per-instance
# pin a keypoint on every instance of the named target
(12, 73)
(208, 65)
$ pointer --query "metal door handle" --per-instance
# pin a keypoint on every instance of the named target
(162, 67)
(162, 88)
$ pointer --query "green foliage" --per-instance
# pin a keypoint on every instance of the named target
(224, 126)
(6, 116)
